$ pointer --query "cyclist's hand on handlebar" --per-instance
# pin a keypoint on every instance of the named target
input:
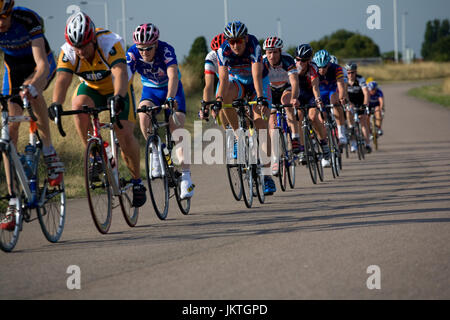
(203, 113)
(171, 103)
(119, 103)
(29, 91)
(294, 102)
(262, 101)
(54, 110)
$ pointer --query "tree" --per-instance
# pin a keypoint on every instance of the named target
(194, 64)
(436, 41)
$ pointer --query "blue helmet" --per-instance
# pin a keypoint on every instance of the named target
(321, 58)
(334, 60)
(235, 29)
(372, 85)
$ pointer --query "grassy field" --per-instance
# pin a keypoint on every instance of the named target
(437, 93)
(390, 72)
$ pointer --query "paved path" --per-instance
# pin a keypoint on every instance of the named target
(314, 242)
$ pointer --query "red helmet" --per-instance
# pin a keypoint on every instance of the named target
(273, 43)
(80, 30)
(217, 41)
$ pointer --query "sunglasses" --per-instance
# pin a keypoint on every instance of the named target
(146, 48)
(236, 41)
(4, 15)
(351, 72)
(301, 60)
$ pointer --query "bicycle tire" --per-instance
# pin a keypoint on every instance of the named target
(374, 132)
(318, 154)
(234, 180)
(157, 187)
(183, 204)
(361, 144)
(310, 155)
(258, 178)
(130, 213)
(246, 176)
(9, 238)
(52, 212)
(290, 161)
(99, 193)
(337, 149)
(282, 162)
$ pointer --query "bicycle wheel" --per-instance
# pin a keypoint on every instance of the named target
(310, 155)
(234, 180)
(332, 147)
(246, 176)
(360, 142)
(129, 212)
(337, 148)
(98, 189)
(374, 132)
(258, 178)
(183, 204)
(52, 212)
(282, 162)
(290, 161)
(9, 238)
(158, 186)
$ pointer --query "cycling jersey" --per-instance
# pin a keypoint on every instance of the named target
(306, 95)
(328, 82)
(19, 64)
(373, 100)
(211, 63)
(240, 67)
(154, 73)
(355, 90)
(279, 75)
(108, 53)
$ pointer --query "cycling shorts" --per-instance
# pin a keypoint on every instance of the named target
(17, 70)
(277, 93)
(158, 96)
(306, 97)
(249, 90)
(101, 100)
(326, 92)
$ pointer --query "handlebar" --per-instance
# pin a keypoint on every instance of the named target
(86, 109)
(150, 109)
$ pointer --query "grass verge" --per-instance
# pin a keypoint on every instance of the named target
(435, 93)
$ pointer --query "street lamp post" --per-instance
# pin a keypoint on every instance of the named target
(105, 6)
(124, 28)
(404, 58)
(225, 10)
(395, 32)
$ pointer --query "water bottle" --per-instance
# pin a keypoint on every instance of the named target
(166, 154)
(29, 159)
(109, 153)
(33, 189)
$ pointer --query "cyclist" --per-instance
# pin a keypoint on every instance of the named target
(284, 84)
(332, 89)
(156, 62)
(242, 73)
(310, 95)
(376, 105)
(97, 56)
(211, 72)
(28, 60)
(358, 96)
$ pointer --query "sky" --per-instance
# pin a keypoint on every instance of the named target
(181, 21)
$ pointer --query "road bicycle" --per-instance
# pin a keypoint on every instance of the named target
(169, 177)
(373, 128)
(108, 184)
(333, 140)
(313, 149)
(285, 154)
(23, 180)
(357, 133)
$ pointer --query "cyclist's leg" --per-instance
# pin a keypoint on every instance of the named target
(378, 117)
(83, 95)
(234, 91)
(364, 121)
(340, 118)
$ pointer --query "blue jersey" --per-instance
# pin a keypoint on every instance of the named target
(240, 67)
(26, 26)
(333, 74)
(153, 74)
(373, 100)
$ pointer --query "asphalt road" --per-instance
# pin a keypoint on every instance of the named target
(314, 242)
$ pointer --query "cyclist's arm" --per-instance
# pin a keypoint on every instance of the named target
(341, 88)
(381, 101)
(315, 88)
(257, 68)
(366, 96)
(223, 82)
(293, 80)
(39, 80)
(208, 90)
(172, 74)
(120, 75)
(62, 83)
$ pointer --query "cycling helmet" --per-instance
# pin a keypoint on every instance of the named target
(351, 66)
(217, 41)
(304, 51)
(80, 30)
(273, 43)
(235, 29)
(146, 34)
(6, 7)
(333, 59)
(321, 58)
(372, 85)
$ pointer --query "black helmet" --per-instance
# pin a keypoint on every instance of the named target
(304, 51)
